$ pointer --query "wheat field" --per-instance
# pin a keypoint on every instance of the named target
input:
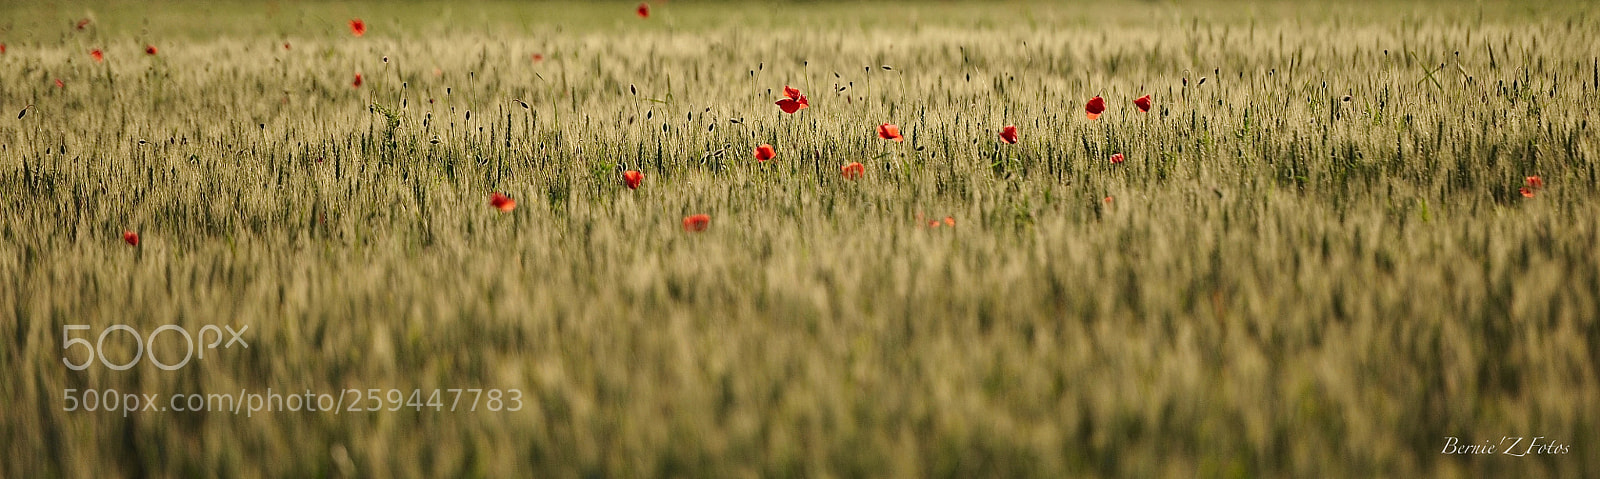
(1343, 234)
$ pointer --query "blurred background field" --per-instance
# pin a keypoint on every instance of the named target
(1315, 260)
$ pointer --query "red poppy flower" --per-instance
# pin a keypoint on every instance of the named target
(853, 170)
(933, 224)
(285, 45)
(696, 223)
(1095, 107)
(1116, 158)
(97, 55)
(358, 27)
(949, 221)
(2, 49)
(1534, 184)
(149, 49)
(890, 131)
(632, 178)
(83, 23)
(59, 84)
(643, 10)
(502, 202)
(792, 100)
(1143, 103)
(538, 57)
(357, 82)
(1108, 200)
(131, 238)
(1009, 134)
(765, 152)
